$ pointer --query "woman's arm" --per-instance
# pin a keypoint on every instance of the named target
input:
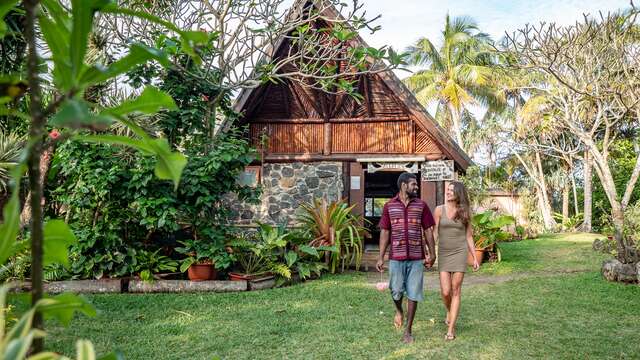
(472, 246)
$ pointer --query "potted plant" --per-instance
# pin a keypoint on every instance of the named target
(487, 232)
(203, 259)
(151, 263)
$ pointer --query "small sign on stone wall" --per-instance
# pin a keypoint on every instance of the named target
(355, 183)
(441, 170)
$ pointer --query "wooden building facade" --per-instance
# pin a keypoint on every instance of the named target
(319, 144)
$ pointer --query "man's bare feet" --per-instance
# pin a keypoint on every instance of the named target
(397, 320)
(407, 338)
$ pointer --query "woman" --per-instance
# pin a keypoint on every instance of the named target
(454, 235)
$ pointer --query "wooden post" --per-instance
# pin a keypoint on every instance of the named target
(356, 192)
(327, 138)
(428, 193)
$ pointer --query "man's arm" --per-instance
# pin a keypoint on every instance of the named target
(384, 244)
(431, 245)
(385, 226)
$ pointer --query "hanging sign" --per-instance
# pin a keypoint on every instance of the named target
(441, 170)
(411, 167)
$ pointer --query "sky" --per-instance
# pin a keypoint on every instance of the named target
(404, 21)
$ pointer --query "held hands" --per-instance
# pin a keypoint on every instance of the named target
(429, 261)
(380, 265)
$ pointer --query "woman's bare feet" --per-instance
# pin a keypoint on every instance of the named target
(449, 337)
(397, 320)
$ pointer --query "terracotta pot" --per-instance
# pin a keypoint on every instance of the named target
(479, 256)
(201, 272)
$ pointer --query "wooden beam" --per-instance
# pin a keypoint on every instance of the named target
(367, 95)
(336, 157)
(331, 120)
(286, 121)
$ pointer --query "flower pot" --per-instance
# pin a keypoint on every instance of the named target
(479, 256)
(201, 272)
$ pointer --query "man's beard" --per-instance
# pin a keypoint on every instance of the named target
(412, 194)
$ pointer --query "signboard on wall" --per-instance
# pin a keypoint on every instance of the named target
(441, 170)
(411, 167)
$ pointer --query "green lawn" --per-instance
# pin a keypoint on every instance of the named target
(549, 315)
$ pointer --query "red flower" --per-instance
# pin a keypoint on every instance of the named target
(205, 98)
(54, 134)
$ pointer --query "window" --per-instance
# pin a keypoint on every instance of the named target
(373, 206)
(250, 176)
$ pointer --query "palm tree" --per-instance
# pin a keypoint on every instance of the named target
(459, 74)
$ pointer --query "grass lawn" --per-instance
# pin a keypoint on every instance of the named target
(551, 314)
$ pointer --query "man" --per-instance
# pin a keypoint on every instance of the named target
(407, 221)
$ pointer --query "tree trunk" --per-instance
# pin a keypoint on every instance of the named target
(574, 189)
(547, 213)
(565, 205)
(586, 224)
(457, 128)
(45, 163)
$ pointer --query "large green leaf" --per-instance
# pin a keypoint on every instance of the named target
(138, 54)
(140, 145)
(75, 114)
(57, 239)
(309, 250)
(149, 102)
(82, 14)
(18, 348)
(170, 164)
(5, 7)
(57, 38)
(63, 307)
(11, 214)
(291, 258)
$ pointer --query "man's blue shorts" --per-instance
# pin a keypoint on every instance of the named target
(406, 277)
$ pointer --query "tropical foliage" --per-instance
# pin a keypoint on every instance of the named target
(334, 225)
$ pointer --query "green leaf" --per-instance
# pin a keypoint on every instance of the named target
(309, 250)
(82, 15)
(11, 214)
(57, 239)
(85, 350)
(17, 348)
(63, 307)
(331, 248)
(140, 145)
(5, 7)
(138, 54)
(149, 102)
(291, 258)
(57, 42)
(75, 114)
(170, 164)
(186, 263)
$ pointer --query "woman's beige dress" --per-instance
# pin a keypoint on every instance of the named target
(452, 244)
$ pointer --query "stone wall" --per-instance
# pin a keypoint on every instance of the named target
(285, 186)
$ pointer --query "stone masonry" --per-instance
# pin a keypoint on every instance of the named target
(285, 186)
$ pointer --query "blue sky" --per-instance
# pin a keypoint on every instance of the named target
(403, 21)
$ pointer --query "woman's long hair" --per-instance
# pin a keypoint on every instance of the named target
(463, 211)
